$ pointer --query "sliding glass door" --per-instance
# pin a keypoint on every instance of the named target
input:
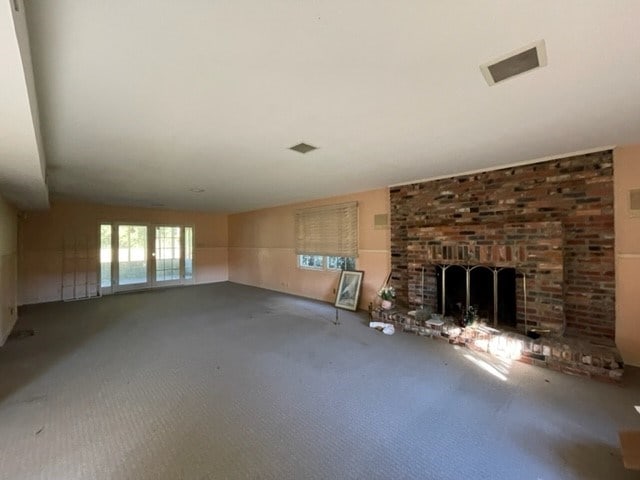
(132, 265)
(188, 254)
(168, 254)
(135, 256)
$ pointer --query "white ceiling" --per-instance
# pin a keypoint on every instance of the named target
(143, 100)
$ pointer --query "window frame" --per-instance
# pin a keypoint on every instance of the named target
(307, 267)
(325, 263)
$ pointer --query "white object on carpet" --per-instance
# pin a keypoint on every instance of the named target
(387, 328)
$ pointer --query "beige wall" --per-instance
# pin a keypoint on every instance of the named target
(45, 238)
(258, 249)
(8, 269)
(627, 231)
(262, 249)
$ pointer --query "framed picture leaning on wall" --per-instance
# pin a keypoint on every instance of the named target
(348, 293)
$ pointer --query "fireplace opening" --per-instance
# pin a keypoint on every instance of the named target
(491, 289)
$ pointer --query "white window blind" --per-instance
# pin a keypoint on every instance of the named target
(328, 230)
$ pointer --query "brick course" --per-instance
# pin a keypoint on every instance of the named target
(553, 220)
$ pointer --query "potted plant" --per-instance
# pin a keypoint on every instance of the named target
(387, 294)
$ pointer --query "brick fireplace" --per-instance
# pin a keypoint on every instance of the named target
(552, 222)
(533, 249)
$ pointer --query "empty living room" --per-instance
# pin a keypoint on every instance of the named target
(319, 240)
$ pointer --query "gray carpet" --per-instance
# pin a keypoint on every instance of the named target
(227, 381)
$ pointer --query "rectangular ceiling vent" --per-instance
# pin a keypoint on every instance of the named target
(519, 61)
(303, 148)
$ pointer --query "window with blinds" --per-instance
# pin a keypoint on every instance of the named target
(328, 230)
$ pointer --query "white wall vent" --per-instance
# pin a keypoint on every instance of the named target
(515, 63)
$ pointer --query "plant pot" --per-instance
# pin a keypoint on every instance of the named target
(386, 304)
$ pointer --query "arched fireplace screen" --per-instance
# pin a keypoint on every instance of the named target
(491, 289)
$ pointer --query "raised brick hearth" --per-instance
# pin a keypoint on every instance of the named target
(568, 355)
(553, 221)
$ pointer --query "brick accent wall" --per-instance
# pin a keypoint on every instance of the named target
(553, 219)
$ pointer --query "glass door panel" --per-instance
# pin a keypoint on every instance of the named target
(132, 255)
(168, 254)
(105, 256)
(188, 253)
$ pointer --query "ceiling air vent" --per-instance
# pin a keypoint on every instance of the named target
(303, 148)
(514, 63)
